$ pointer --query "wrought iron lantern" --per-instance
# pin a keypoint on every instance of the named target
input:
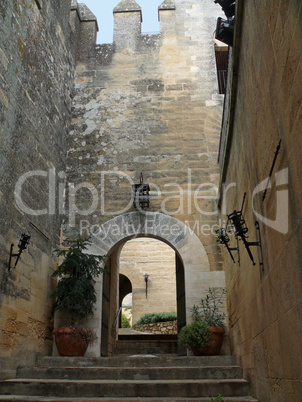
(146, 278)
(225, 30)
(240, 230)
(224, 239)
(228, 7)
(238, 222)
(225, 27)
(23, 243)
(140, 194)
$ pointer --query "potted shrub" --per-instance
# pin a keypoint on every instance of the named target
(195, 336)
(209, 311)
(76, 296)
(205, 335)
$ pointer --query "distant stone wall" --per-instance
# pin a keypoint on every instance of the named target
(156, 259)
(163, 328)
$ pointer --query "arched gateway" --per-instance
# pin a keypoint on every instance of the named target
(193, 278)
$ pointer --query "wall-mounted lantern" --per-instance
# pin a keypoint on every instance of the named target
(228, 7)
(240, 230)
(140, 194)
(224, 239)
(225, 30)
(23, 243)
(146, 278)
(225, 27)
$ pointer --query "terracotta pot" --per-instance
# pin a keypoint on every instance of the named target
(214, 348)
(69, 344)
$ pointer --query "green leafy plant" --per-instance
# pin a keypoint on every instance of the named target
(125, 321)
(152, 318)
(75, 293)
(209, 310)
(196, 334)
(218, 398)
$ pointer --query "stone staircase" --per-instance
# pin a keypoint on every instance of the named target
(145, 378)
(146, 344)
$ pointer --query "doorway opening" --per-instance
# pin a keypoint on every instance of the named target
(152, 272)
(150, 266)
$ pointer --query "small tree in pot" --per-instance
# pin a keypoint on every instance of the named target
(208, 313)
(75, 295)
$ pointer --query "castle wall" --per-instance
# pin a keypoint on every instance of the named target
(148, 103)
(265, 302)
(37, 49)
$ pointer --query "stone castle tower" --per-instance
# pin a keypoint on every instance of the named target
(150, 104)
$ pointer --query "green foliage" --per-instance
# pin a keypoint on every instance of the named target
(196, 334)
(152, 318)
(75, 293)
(209, 309)
(125, 321)
(218, 398)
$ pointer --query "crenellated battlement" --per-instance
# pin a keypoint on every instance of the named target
(85, 27)
(128, 20)
(127, 24)
(166, 5)
(127, 27)
(128, 6)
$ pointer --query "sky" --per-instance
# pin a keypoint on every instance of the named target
(102, 9)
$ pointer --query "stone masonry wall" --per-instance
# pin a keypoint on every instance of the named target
(36, 77)
(157, 259)
(159, 328)
(148, 104)
(265, 302)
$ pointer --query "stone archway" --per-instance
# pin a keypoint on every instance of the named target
(188, 248)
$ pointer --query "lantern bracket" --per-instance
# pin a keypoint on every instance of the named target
(240, 231)
(23, 243)
(224, 239)
(146, 278)
(140, 194)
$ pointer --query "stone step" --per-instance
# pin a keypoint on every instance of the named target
(147, 337)
(141, 378)
(147, 342)
(151, 350)
(124, 388)
(146, 346)
(136, 361)
(54, 399)
(131, 373)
